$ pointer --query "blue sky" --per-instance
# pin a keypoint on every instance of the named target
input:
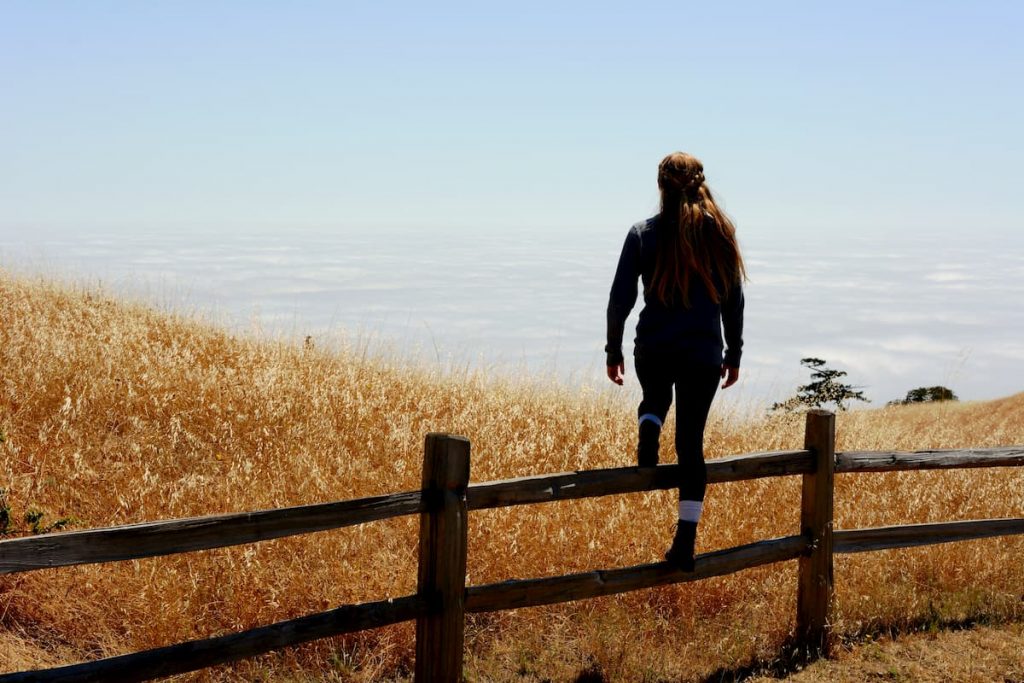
(870, 154)
(238, 116)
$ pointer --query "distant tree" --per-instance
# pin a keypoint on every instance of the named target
(926, 395)
(825, 387)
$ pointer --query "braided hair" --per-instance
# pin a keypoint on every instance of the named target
(691, 244)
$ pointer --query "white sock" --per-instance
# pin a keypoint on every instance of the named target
(689, 510)
(652, 417)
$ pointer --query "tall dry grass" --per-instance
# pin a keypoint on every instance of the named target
(115, 413)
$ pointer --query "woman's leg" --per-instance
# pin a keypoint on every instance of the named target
(695, 389)
(656, 382)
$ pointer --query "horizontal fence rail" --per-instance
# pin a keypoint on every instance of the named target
(200, 654)
(150, 539)
(911, 535)
(551, 590)
(941, 459)
(548, 488)
(444, 501)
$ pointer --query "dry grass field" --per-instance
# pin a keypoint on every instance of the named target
(114, 412)
(982, 654)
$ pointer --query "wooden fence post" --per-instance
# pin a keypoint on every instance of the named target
(442, 559)
(814, 597)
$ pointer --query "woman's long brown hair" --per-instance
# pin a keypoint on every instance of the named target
(689, 245)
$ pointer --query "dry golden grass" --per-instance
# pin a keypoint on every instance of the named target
(116, 413)
(982, 654)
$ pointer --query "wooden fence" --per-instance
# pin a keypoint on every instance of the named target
(442, 598)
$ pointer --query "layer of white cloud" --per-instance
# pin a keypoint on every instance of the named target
(894, 316)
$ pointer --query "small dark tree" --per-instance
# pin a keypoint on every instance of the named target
(823, 388)
(927, 395)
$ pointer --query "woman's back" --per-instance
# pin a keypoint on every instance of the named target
(692, 328)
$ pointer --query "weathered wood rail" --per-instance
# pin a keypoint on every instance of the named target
(442, 599)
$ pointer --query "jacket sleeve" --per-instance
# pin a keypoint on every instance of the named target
(622, 296)
(732, 322)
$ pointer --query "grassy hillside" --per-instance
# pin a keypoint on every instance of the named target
(115, 413)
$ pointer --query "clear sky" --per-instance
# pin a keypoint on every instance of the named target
(242, 115)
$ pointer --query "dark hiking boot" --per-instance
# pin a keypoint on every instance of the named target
(647, 447)
(680, 555)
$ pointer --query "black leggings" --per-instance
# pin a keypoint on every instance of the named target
(695, 385)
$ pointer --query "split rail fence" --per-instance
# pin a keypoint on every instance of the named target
(442, 598)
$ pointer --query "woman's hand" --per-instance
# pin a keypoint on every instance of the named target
(730, 374)
(617, 372)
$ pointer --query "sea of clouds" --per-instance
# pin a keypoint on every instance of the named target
(895, 312)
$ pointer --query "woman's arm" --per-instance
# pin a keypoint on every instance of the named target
(732, 323)
(621, 299)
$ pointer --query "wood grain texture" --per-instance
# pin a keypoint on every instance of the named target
(603, 482)
(550, 590)
(199, 654)
(150, 539)
(910, 535)
(444, 531)
(940, 459)
(815, 584)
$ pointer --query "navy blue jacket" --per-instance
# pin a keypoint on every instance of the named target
(693, 333)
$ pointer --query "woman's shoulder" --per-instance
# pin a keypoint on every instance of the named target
(645, 226)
